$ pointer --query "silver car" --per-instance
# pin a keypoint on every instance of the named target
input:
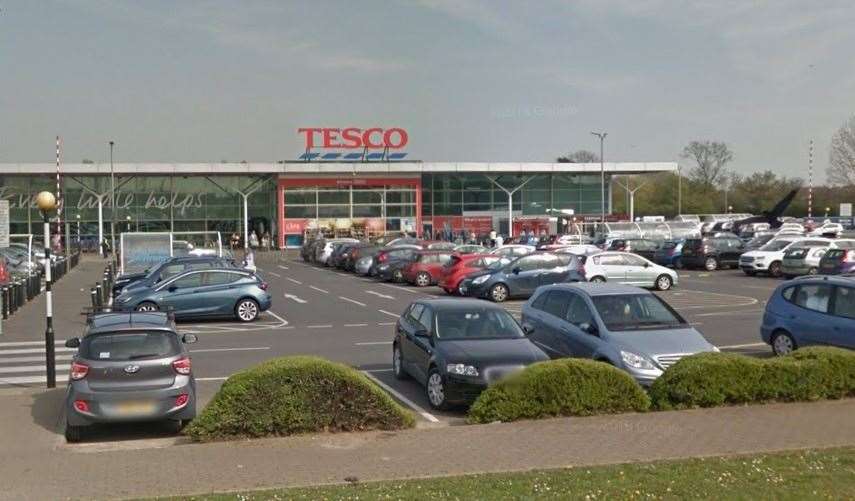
(363, 265)
(129, 367)
(630, 269)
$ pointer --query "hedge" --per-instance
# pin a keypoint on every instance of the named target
(293, 395)
(714, 379)
(564, 387)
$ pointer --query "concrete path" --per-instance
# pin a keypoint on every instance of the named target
(37, 464)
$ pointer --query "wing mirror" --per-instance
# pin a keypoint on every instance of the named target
(516, 271)
(528, 329)
(189, 338)
(422, 333)
(589, 328)
(646, 264)
(172, 288)
(73, 342)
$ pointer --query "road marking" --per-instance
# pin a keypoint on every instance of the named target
(282, 320)
(726, 313)
(24, 360)
(29, 343)
(215, 350)
(384, 296)
(411, 291)
(319, 289)
(738, 346)
(385, 323)
(60, 378)
(295, 281)
(373, 343)
(351, 300)
(282, 267)
(355, 325)
(211, 378)
(409, 403)
(295, 298)
(319, 326)
(389, 313)
(27, 368)
(36, 350)
(274, 274)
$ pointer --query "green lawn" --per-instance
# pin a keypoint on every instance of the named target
(795, 475)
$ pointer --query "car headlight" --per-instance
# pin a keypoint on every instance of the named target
(461, 369)
(383, 267)
(636, 361)
(122, 299)
(480, 280)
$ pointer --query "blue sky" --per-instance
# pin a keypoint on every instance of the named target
(470, 80)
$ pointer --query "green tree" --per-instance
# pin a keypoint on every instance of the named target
(710, 159)
(841, 161)
(579, 157)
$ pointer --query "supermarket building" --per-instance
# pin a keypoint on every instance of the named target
(287, 199)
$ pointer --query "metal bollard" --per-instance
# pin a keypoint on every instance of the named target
(93, 295)
(100, 295)
(13, 303)
(5, 302)
(22, 296)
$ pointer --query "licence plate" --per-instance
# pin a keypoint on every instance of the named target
(135, 408)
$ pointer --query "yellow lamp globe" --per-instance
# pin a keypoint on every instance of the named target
(46, 201)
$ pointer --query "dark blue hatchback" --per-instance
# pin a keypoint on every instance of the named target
(523, 275)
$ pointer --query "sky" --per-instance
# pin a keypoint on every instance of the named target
(470, 80)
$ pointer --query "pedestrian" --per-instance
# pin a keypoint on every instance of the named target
(472, 238)
(499, 241)
(253, 240)
(492, 238)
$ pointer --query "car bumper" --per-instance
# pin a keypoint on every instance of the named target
(459, 390)
(105, 406)
(644, 377)
(265, 302)
(466, 288)
(754, 266)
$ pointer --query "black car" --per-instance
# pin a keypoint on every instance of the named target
(458, 347)
(353, 253)
(380, 266)
(712, 253)
(169, 268)
(641, 246)
(392, 270)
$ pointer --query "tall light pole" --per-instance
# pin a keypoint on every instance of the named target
(46, 202)
(602, 136)
(679, 191)
(112, 205)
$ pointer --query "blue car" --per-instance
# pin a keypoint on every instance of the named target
(670, 254)
(625, 326)
(521, 276)
(169, 268)
(225, 292)
(810, 311)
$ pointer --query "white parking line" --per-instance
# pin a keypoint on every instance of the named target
(717, 313)
(384, 296)
(295, 298)
(351, 300)
(295, 281)
(29, 343)
(27, 368)
(327, 326)
(318, 289)
(215, 350)
(385, 323)
(282, 321)
(282, 267)
(389, 313)
(36, 350)
(411, 291)
(738, 346)
(406, 401)
(373, 343)
(355, 325)
(60, 378)
(274, 274)
(211, 378)
(22, 360)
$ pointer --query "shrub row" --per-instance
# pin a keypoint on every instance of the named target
(293, 395)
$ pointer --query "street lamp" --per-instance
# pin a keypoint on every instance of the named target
(78, 232)
(729, 209)
(128, 219)
(602, 136)
(827, 210)
(112, 205)
(46, 202)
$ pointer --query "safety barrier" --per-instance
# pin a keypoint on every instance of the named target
(21, 289)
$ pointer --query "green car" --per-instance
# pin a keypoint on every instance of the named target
(800, 261)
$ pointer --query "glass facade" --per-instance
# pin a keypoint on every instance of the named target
(384, 206)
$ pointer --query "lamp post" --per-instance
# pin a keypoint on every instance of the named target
(602, 136)
(827, 210)
(128, 219)
(112, 205)
(46, 202)
(78, 232)
(679, 191)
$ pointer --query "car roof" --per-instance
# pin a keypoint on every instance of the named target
(600, 289)
(128, 321)
(444, 303)
(182, 259)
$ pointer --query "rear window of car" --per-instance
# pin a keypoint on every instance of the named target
(693, 243)
(130, 346)
(835, 253)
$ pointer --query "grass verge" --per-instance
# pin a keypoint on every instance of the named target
(828, 473)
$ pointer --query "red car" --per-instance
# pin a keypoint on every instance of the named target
(4, 271)
(427, 267)
(462, 265)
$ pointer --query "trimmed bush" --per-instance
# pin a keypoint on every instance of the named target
(292, 395)
(565, 387)
(714, 379)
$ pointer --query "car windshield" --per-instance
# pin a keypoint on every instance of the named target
(476, 323)
(129, 346)
(776, 245)
(498, 264)
(625, 312)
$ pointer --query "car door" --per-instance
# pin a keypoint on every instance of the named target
(217, 295)
(407, 327)
(811, 323)
(843, 328)
(422, 346)
(553, 270)
(533, 321)
(179, 294)
(548, 316)
(613, 265)
(638, 270)
(524, 275)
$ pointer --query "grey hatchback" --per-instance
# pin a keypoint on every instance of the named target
(129, 367)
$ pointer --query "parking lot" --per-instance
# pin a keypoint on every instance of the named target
(350, 319)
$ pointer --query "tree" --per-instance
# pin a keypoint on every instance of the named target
(841, 162)
(760, 191)
(710, 159)
(579, 157)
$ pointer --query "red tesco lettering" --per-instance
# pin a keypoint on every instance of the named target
(353, 137)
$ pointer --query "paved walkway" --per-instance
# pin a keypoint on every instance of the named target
(37, 464)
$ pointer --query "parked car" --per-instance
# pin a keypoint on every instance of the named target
(513, 250)
(325, 250)
(463, 265)
(759, 241)
(578, 249)
(643, 247)
(827, 229)
(166, 269)
(627, 327)
(800, 261)
(670, 254)
(458, 347)
(202, 293)
(426, 268)
(838, 261)
(366, 259)
(810, 311)
(471, 249)
(630, 269)
(129, 367)
(769, 258)
(438, 245)
(382, 260)
(4, 271)
(712, 253)
(521, 276)
(339, 254)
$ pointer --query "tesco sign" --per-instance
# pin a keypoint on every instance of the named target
(353, 138)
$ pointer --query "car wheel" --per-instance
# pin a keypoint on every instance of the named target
(246, 310)
(678, 263)
(73, 434)
(499, 293)
(710, 264)
(812, 271)
(598, 279)
(398, 363)
(775, 269)
(435, 388)
(147, 306)
(174, 426)
(397, 276)
(423, 279)
(664, 282)
(783, 343)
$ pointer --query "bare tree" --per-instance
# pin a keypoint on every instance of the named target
(710, 159)
(841, 162)
(579, 157)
